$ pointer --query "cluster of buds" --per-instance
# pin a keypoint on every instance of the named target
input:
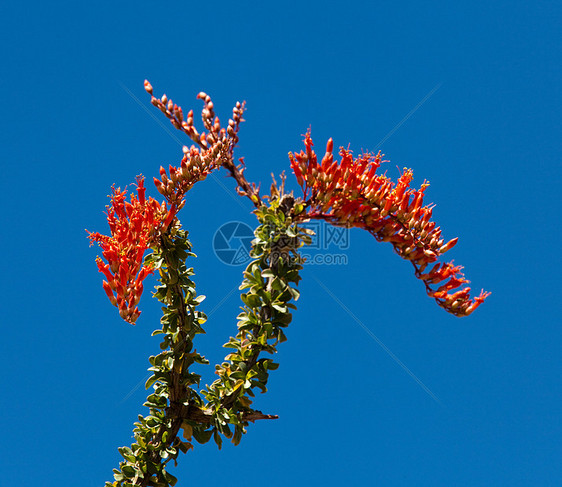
(229, 135)
(135, 226)
(195, 166)
(213, 148)
(351, 193)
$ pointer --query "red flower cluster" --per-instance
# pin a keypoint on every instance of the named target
(351, 193)
(135, 227)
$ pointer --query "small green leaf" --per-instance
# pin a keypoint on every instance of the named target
(202, 436)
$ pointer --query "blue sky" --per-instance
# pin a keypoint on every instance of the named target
(481, 403)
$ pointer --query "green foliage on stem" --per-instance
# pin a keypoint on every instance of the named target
(156, 435)
(270, 284)
(175, 405)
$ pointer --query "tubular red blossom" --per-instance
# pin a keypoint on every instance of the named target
(170, 216)
(109, 292)
(141, 190)
(351, 193)
(477, 302)
(135, 226)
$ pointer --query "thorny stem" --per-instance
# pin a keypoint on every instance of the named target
(244, 187)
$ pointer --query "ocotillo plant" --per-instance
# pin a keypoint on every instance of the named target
(146, 237)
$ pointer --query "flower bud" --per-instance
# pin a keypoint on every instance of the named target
(160, 187)
(173, 174)
(449, 245)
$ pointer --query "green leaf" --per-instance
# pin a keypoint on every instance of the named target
(295, 293)
(202, 436)
(128, 471)
(280, 307)
(150, 381)
(217, 438)
(169, 478)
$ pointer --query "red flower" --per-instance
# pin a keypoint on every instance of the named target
(351, 193)
(135, 226)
